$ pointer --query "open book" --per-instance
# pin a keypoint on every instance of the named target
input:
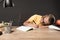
(25, 28)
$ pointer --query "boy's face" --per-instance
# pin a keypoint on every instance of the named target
(45, 20)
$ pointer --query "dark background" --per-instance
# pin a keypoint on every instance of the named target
(23, 9)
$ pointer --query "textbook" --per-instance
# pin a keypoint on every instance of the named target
(25, 28)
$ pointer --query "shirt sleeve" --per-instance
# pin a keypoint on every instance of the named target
(32, 18)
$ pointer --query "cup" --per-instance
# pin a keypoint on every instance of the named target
(8, 27)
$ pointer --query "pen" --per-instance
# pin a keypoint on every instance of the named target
(34, 21)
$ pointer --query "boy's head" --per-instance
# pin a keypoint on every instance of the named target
(48, 19)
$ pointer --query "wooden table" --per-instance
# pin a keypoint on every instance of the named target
(37, 34)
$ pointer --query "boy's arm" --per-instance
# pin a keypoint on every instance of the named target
(43, 26)
(27, 23)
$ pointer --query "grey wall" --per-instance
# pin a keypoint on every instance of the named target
(25, 8)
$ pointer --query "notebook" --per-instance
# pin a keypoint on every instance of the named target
(53, 27)
(25, 28)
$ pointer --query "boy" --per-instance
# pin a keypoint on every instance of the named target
(39, 21)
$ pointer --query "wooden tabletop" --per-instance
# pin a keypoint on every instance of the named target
(37, 34)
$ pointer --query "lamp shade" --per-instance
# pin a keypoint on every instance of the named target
(8, 3)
